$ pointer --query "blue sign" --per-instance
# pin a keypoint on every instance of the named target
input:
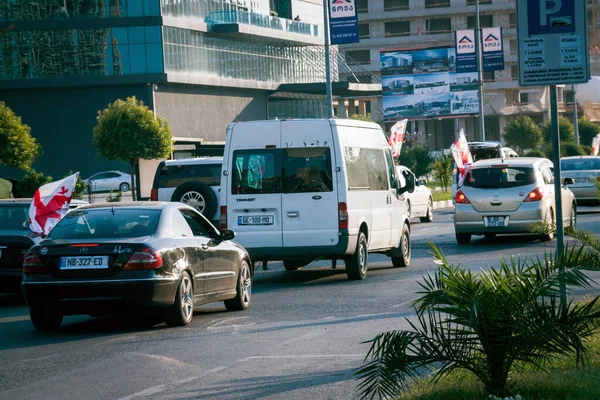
(343, 22)
(466, 51)
(551, 16)
(493, 53)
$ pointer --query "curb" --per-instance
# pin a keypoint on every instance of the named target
(442, 204)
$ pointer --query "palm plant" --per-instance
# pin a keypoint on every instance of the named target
(490, 324)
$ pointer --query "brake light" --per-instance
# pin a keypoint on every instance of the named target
(84, 245)
(34, 265)
(535, 195)
(223, 218)
(343, 215)
(460, 198)
(21, 256)
(154, 195)
(145, 258)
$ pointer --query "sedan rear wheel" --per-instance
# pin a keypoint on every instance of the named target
(429, 216)
(124, 187)
(549, 234)
(243, 290)
(45, 320)
(573, 216)
(182, 311)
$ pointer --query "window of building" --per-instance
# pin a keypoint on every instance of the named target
(395, 5)
(514, 72)
(362, 6)
(438, 25)
(354, 57)
(512, 20)
(513, 46)
(398, 28)
(437, 3)
(363, 31)
(472, 2)
(523, 97)
(488, 76)
(485, 21)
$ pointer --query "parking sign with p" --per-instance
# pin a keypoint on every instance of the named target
(551, 16)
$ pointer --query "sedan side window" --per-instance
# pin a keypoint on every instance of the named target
(548, 175)
(197, 224)
(179, 225)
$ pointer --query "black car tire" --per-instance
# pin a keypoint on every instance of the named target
(573, 222)
(549, 220)
(243, 290)
(45, 320)
(294, 265)
(182, 311)
(429, 216)
(403, 260)
(463, 238)
(490, 236)
(124, 187)
(201, 189)
(357, 263)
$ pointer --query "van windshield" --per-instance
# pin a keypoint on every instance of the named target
(500, 177)
(290, 170)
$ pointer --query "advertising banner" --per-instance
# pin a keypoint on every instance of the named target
(397, 133)
(493, 50)
(466, 51)
(343, 22)
(419, 84)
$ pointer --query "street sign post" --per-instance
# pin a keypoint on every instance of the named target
(552, 41)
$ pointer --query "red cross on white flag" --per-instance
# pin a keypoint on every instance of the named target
(50, 204)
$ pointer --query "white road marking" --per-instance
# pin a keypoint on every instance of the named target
(39, 358)
(146, 392)
(304, 337)
(402, 304)
(302, 356)
(225, 324)
(14, 319)
(115, 340)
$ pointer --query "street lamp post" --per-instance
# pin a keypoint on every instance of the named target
(480, 74)
(327, 41)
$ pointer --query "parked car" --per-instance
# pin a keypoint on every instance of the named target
(163, 258)
(300, 190)
(585, 170)
(192, 181)
(419, 204)
(509, 196)
(15, 240)
(108, 180)
(484, 151)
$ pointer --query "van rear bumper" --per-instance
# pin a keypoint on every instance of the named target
(345, 246)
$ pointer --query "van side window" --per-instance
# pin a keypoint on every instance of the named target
(356, 168)
(256, 172)
(306, 170)
(391, 170)
(172, 176)
(378, 174)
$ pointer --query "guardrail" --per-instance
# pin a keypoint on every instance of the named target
(261, 20)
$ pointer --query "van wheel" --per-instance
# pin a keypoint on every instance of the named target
(294, 265)
(403, 251)
(429, 215)
(463, 238)
(198, 195)
(356, 264)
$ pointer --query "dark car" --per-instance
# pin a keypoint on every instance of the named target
(159, 258)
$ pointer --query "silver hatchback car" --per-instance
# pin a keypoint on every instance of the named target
(502, 196)
(585, 170)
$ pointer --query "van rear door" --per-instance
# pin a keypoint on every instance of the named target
(254, 189)
(309, 184)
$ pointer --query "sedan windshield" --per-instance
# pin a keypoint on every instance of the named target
(106, 223)
(500, 177)
(14, 218)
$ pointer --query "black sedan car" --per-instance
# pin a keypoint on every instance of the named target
(155, 257)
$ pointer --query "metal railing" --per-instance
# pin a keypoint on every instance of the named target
(260, 20)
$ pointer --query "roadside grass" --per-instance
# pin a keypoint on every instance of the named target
(564, 381)
(438, 195)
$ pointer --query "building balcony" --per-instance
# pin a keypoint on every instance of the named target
(259, 26)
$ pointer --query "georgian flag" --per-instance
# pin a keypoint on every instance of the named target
(462, 156)
(50, 204)
(397, 133)
(595, 144)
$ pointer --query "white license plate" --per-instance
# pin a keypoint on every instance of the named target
(86, 262)
(581, 180)
(256, 220)
(495, 222)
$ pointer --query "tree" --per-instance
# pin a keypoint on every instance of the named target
(571, 149)
(587, 130)
(417, 159)
(17, 147)
(567, 131)
(442, 171)
(30, 182)
(361, 117)
(522, 134)
(127, 130)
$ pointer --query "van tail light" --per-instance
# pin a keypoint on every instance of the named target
(154, 195)
(33, 264)
(343, 215)
(535, 195)
(223, 218)
(145, 258)
(21, 256)
(460, 198)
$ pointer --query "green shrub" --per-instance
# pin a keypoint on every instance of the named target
(114, 197)
(571, 149)
(535, 153)
(30, 182)
(417, 159)
(565, 127)
(442, 171)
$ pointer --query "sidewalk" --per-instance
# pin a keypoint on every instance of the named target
(442, 204)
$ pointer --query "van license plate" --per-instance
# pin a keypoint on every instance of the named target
(495, 222)
(256, 220)
(86, 262)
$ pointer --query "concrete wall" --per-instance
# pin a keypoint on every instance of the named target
(62, 119)
(204, 112)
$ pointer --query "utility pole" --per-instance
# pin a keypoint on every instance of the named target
(480, 74)
(327, 41)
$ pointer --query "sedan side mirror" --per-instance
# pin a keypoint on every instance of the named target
(410, 183)
(421, 182)
(568, 181)
(227, 234)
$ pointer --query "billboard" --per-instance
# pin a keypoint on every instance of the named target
(343, 22)
(493, 52)
(424, 83)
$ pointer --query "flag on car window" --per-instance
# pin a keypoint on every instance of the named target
(595, 144)
(50, 203)
(396, 139)
(462, 156)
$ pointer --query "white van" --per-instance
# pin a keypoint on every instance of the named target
(301, 190)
